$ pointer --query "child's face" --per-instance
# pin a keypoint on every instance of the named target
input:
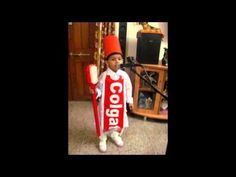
(114, 62)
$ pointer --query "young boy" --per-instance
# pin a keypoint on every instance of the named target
(114, 90)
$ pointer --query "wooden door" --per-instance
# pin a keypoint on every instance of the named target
(81, 37)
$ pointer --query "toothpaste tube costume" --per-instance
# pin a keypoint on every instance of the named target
(115, 90)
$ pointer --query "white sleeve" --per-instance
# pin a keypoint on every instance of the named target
(128, 87)
(99, 93)
(99, 86)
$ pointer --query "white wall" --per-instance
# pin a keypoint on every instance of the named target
(131, 42)
(117, 29)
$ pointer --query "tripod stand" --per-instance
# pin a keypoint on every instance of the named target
(150, 92)
(148, 82)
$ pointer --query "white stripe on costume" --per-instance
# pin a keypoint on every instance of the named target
(102, 103)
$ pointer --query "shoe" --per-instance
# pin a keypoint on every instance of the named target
(103, 143)
(117, 139)
(103, 146)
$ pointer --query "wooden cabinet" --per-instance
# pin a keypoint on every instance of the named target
(147, 102)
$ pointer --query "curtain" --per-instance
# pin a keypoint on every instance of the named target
(102, 29)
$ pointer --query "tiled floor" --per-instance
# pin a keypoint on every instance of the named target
(141, 137)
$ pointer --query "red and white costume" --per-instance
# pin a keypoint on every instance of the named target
(114, 90)
(126, 95)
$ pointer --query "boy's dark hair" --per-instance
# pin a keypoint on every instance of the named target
(113, 54)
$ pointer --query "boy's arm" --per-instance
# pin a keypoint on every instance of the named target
(99, 87)
(129, 98)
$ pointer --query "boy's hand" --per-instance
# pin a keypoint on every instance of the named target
(91, 91)
(131, 106)
(98, 96)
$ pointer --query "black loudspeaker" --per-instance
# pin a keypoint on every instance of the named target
(122, 37)
(148, 48)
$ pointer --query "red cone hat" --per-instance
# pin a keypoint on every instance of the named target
(111, 45)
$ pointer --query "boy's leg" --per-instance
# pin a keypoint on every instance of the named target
(103, 142)
(115, 136)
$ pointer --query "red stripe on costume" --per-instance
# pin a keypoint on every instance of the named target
(113, 104)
